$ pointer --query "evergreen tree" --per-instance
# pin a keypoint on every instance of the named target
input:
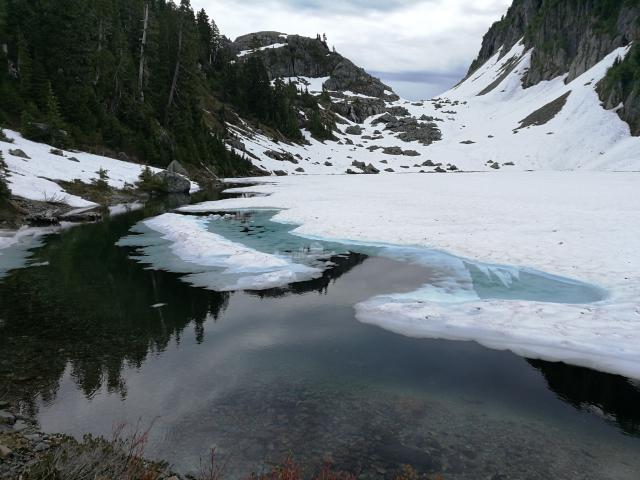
(145, 77)
(4, 188)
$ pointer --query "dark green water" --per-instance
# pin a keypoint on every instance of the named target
(259, 375)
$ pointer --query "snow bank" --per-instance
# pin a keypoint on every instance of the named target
(35, 178)
(581, 225)
(244, 53)
(184, 245)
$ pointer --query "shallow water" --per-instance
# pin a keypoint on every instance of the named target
(260, 374)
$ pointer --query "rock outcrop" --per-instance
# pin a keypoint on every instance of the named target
(355, 94)
(570, 37)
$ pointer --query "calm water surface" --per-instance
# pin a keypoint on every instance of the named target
(85, 346)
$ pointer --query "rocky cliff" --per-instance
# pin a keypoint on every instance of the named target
(569, 37)
(355, 94)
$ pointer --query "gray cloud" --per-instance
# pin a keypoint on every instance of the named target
(412, 42)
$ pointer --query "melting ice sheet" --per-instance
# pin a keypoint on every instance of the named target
(16, 247)
(191, 245)
(529, 312)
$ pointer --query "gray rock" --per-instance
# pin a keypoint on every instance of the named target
(386, 118)
(398, 111)
(281, 156)
(354, 130)
(300, 170)
(392, 151)
(429, 163)
(41, 447)
(280, 173)
(16, 152)
(7, 418)
(5, 452)
(328, 164)
(410, 153)
(173, 182)
(176, 167)
(34, 437)
(56, 151)
(20, 426)
(367, 169)
(73, 159)
(390, 170)
(43, 219)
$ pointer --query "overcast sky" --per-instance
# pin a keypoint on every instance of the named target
(419, 47)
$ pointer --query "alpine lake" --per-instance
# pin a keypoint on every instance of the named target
(92, 335)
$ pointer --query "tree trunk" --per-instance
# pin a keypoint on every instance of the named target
(100, 36)
(143, 45)
(174, 82)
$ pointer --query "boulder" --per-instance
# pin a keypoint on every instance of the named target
(19, 153)
(398, 111)
(392, 151)
(410, 153)
(7, 418)
(5, 452)
(386, 118)
(367, 169)
(172, 182)
(176, 167)
(281, 156)
(56, 151)
(354, 130)
(280, 173)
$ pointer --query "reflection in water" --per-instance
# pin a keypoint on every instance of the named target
(263, 373)
(614, 398)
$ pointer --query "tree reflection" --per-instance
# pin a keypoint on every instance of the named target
(612, 397)
(90, 308)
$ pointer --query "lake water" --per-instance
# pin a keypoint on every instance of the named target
(91, 337)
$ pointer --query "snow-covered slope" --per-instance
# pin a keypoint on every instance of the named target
(488, 122)
(36, 177)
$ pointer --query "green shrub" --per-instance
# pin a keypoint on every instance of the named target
(148, 182)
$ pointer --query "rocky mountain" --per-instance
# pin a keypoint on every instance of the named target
(556, 85)
(568, 38)
(307, 61)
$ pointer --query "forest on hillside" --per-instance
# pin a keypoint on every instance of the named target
(149, 80)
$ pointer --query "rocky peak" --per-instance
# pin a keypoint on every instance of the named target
(358, 94)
